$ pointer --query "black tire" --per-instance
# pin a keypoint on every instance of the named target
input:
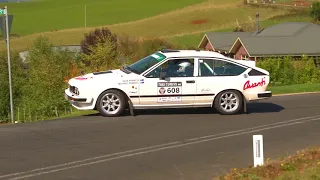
(103, 100)
(222, 109)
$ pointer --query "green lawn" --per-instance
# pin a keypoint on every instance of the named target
(213, 15)
(45, 15)
(297, 88)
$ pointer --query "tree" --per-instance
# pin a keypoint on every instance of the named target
(96, 37)
(103, 56)
(315, 11)
(18, 81)
(48, 67)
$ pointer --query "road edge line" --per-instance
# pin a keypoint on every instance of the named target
(291, 94)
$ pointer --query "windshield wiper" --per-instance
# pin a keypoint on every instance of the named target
(125, 69)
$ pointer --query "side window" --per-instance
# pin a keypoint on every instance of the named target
(214, 67)
(174, 68)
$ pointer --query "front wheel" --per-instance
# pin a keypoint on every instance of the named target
(228, 102)
(111, 103)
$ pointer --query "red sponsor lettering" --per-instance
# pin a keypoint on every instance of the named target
(249, 85)
(81, 78)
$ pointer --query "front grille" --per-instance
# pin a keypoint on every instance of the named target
(74, 90)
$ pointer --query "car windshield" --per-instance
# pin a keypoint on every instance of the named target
(145, 63)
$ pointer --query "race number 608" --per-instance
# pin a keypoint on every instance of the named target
(173, 90)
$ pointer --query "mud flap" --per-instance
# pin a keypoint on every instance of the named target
(131, 108)
(244, 104)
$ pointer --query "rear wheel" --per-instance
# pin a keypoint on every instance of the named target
(111, 103)
(228, 102)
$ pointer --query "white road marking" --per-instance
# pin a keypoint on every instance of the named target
(130, 153)
(282, 122)
(89, 159)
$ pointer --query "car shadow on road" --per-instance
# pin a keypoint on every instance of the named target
(252, 108)
(263, 107)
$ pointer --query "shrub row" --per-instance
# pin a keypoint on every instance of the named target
(287, 70)
(39, 83)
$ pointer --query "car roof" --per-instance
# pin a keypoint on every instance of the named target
(190, 53)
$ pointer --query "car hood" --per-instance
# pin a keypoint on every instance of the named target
(116, 73)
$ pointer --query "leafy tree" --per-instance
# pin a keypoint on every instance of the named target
(18, 81)
(47, 70)
(103, 56)
(315, 11)
(98, 36)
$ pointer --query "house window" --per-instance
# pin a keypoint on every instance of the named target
(244, 57)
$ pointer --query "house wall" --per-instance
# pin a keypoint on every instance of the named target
(241, 51)
(208, 47)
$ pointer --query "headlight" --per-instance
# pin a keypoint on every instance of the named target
(74, 90)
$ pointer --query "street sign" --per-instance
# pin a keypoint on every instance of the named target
(3, 24)
(2, 11)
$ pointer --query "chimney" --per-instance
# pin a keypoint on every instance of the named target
(257, 21)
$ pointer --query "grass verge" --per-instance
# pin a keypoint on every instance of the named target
(296, 88)
(304, 165)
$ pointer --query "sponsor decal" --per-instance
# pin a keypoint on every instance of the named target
(170, 99)
(131, 81)
(169, 88)
(205, 90)
(82, 78)
(249, 85)
(133, 92)
(162, 90)
(158, 56)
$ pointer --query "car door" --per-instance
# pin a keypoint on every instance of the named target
(177, 88)
(215, 75)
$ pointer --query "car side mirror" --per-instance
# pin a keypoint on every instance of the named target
(162, 75)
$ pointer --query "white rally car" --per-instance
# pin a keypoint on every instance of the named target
(172, 79)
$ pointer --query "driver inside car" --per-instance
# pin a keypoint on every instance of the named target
(179, 68)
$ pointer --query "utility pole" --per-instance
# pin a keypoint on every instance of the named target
(257, 21)
(85, 16)
(5, 12)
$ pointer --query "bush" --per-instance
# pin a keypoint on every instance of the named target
(135, 49)
(45, 84)
(315, 11)
(287, 71)
(96, 37)
(18, 80)
(103, 57)
(111, 53)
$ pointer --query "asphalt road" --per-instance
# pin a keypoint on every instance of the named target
(168, 144)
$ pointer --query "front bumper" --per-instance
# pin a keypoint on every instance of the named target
(81, 103)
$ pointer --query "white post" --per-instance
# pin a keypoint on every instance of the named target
(258, 158)
(9, 62)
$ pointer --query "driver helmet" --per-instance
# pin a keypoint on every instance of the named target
(183, 65)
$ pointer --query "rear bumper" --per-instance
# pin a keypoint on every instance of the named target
(266, 94)
(259, 95)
